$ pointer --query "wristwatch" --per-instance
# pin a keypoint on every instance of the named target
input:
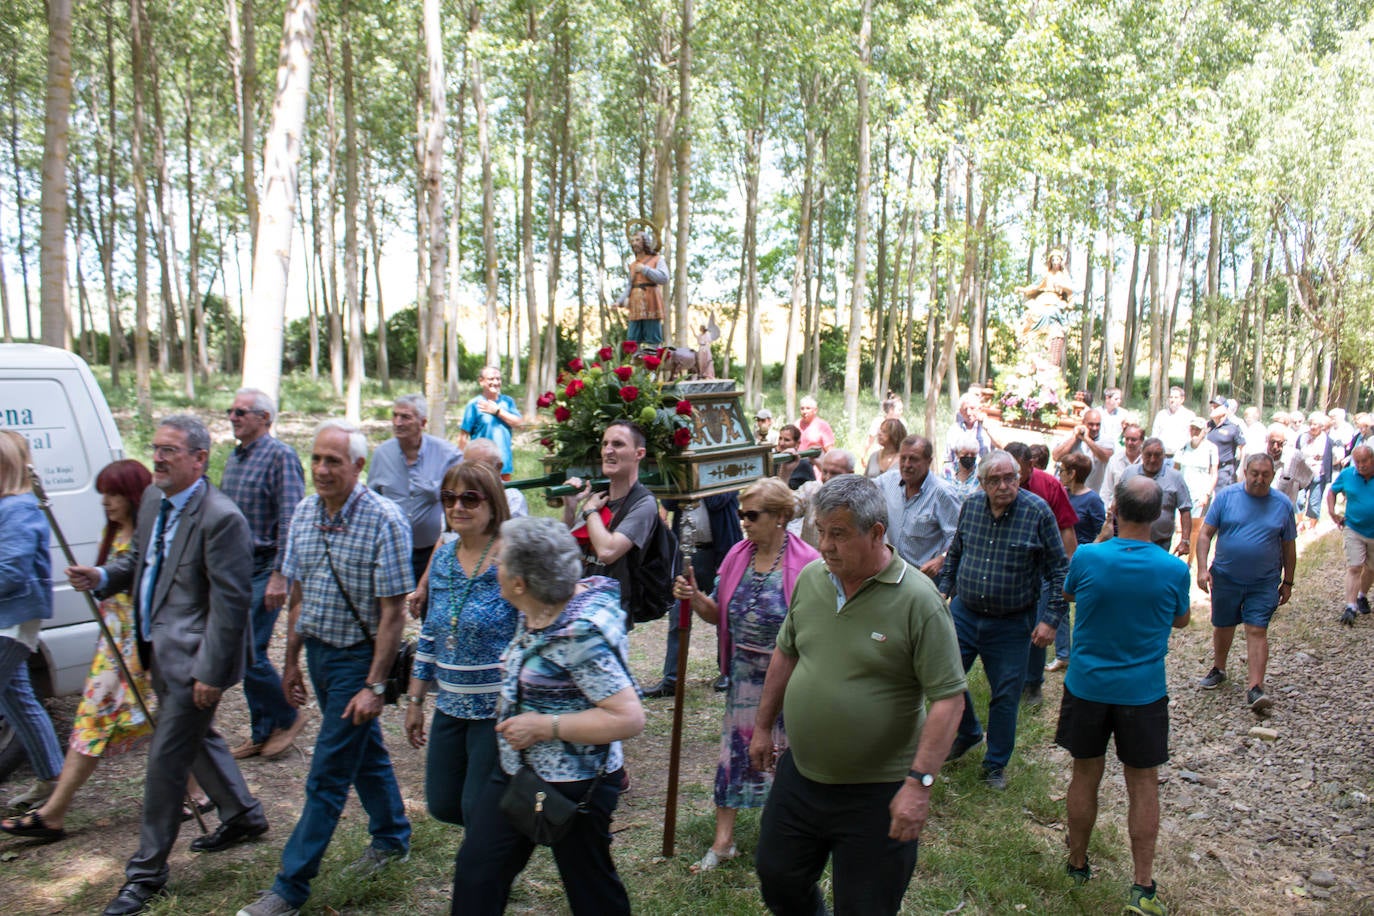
(412, 700)
(587, 513)
(378, 688)
(925, 779)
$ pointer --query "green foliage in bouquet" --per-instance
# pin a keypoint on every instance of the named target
(1031, 390)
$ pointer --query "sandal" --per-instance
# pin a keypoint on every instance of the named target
(31, 825)
(204, 807)
(712, 860)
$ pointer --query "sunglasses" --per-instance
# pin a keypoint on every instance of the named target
(470, 499)
(751, 515)
(238, 412)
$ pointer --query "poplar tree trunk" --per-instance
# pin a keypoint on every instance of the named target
(142, 370)
(53, 262)
(489, 275)
(353, 401)
(861, 192)
(434, 196)
(683, 167)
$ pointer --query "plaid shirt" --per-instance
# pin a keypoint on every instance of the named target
(369, 541)
(995, 565)
(265, 480)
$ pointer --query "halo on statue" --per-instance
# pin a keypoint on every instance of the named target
(650, 229)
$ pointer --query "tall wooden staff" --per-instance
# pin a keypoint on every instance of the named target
(118, 655)
(684, 623)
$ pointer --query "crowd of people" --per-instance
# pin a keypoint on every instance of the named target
(851, 594)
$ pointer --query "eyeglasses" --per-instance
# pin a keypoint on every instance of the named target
(470, 499)
(238, 412)
(751, 515)
(166, 451)
(1004, 480)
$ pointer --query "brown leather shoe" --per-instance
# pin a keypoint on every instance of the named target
(248, 748)
(280, 741)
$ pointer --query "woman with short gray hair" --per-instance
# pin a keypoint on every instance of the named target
(566, 703)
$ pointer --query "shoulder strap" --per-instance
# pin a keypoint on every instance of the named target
(329, 558)
(632, 499)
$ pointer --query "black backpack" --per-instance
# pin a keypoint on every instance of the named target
(650, 569)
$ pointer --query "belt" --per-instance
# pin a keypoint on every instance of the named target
(1030, 608)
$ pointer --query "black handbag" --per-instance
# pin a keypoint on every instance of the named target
(398, 675)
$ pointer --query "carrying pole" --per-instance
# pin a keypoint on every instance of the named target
(110, 641)
(684, 623)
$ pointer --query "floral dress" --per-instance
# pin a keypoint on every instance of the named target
(755, 615)
(108, 719)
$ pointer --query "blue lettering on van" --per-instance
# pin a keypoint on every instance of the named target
(40, 441)
(16, 416)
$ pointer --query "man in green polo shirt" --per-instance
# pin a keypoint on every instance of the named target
(866, 642)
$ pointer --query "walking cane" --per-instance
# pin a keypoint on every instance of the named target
(684, 623)
(46, 505)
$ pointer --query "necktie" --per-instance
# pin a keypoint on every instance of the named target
(145, 625)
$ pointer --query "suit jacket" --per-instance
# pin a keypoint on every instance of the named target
(200, 606)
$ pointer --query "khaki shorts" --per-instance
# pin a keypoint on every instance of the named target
(1359, 550)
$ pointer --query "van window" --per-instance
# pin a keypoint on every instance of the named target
(40, 410)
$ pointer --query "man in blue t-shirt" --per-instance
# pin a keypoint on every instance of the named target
(1356, 481)
(1130, 592)
(1252, 574)
(491, 415)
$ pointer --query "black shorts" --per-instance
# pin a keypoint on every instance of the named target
(1142, 732)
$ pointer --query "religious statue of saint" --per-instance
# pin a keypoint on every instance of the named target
(1046, 306)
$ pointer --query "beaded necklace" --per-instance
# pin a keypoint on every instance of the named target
(757, 579)
(451, 641)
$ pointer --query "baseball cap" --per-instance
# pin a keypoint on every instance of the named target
(1217, 401)
(763, 413)
(1197, 423)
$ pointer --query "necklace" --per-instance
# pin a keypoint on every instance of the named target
(757, 579)
(451, 641)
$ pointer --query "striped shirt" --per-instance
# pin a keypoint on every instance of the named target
(995, 565)
(265, 480)
(464, 655)
(369, 541)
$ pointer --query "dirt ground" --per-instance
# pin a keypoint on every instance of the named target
(1248, 824)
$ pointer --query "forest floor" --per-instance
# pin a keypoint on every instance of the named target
(1248, 825)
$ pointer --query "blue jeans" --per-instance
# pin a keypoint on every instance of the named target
(462, 756)
(267, 706)
(1035, 661)
(24, 713)
(346, 756)
(1001, 643)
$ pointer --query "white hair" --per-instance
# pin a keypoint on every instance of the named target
(415, 402)
(262, 401)
(357, 442)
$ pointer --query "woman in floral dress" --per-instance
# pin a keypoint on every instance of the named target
(754, 585)
(108, 721)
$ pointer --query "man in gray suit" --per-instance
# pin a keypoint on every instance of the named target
(190, 580)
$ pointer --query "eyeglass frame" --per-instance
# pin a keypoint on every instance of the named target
(470, 499)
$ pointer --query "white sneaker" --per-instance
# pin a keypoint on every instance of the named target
(712, 859)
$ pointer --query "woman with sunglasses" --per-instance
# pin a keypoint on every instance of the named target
(754, 586)
(467, 628)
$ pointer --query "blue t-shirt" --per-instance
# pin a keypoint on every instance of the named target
(1250, 534)
(480, 425)
(1359, 500)
(1128, 594)
(1092, 515)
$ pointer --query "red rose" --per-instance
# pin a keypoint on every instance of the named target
(629, 393)
(571, 390)
(684, 408)
(628, 347)
(605, 353)
(596, 365)
(561, 414)
(652, 362)
(624, 372)
(545, 399)
(682, 437)
(546, 442)
(575, 364)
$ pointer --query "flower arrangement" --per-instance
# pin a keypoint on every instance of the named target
(614, 385)
(1031, 390)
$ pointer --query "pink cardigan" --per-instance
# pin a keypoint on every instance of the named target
(796, 555)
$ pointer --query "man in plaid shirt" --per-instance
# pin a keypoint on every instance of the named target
(348, 546)
(1007, 542)
(264, 479)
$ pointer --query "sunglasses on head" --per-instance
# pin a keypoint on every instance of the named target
(470, 499)
(751, 515)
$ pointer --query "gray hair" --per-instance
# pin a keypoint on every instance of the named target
(1278, 429)
(859, 495)
(964, 442)
(1257, 456)
(262, 401)
(1136, 502)
(484, 451)
(842, 455)
(543, 553)
(357, 442)
(808, 401)
(923, 446)
(197, 436)
(415, 402)
(992, 458)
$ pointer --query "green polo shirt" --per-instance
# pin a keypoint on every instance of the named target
(855, 703)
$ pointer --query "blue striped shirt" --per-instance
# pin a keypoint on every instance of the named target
(468, 667)
(369, 541)
(265, 480)
(995, 565)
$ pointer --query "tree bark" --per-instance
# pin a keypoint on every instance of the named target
(683, 165)
(142, 370)
(438, 227)
(353, 401)
(53, 262)
(859, 293)
(264, 324)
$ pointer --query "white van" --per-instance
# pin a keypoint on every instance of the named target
(51, 397)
